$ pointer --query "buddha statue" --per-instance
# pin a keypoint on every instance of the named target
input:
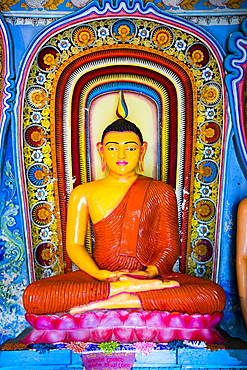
(135, 225)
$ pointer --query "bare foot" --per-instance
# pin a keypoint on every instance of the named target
(123, 300)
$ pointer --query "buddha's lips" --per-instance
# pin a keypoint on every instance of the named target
(121, 163)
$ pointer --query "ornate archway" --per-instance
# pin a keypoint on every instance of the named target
(84, 58)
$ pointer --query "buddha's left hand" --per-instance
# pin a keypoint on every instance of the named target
(149, 273)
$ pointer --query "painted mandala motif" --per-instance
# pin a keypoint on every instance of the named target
(45, 254)
(210, 132)
(204, 210)
(48, 59)
(162, 37)
(198, 55)
(202, 250)
(124, 30)
(83, 36)
(38, 175)
(42, 214)
(211, 94)
(35, 136)
(207, 171)
(37, 97)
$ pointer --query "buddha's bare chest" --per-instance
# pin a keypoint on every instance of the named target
(103, 201)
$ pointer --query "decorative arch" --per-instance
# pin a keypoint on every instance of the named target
(96, 53)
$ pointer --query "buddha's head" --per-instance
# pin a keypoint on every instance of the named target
(122, 125)
(122, 148)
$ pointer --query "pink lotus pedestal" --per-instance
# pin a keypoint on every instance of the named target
(123, 326)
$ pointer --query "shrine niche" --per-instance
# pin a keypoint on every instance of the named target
(67, 93)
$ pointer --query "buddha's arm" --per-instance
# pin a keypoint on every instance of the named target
(75, 236)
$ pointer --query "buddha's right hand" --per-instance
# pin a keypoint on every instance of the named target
(106, 275)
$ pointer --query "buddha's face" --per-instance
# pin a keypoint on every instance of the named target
(122, 151)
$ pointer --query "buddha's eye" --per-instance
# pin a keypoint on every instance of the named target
(131, 149)
(112, 148)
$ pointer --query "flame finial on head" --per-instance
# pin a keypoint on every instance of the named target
(122, 110)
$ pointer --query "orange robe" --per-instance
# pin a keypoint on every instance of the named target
(142, 230)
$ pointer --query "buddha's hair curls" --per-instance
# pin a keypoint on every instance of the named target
(122, 125)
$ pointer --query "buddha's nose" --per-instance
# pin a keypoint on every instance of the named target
(121, 152)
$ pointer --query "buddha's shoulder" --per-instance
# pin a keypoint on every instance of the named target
(88, 188)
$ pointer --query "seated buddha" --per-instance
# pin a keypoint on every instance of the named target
(135, 225)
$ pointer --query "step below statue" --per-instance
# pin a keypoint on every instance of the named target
(135, 224)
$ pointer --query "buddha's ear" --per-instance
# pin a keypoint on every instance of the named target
(102, 156)
(142, 155)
